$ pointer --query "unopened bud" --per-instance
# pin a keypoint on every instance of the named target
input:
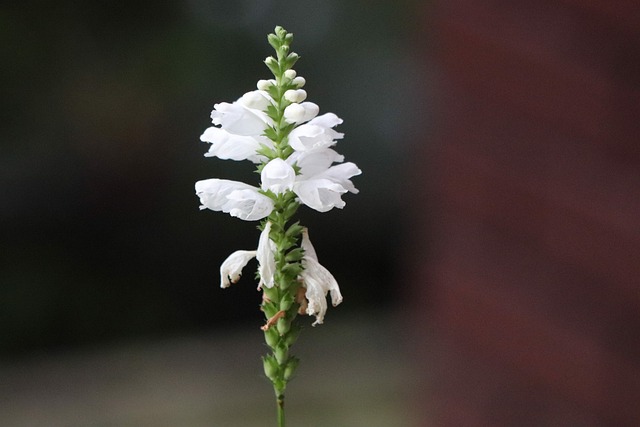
(290, 368)
(264, 84)
(299, 81)
(290, 74)
(294, 113)
(297, 95)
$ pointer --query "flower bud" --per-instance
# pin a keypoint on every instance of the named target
(271, 367)
(297, 95)
(282, 354)
(290, 74)
(254, 100)
(294, 113)
(271, 336)
(299, 81)
(283, 326)
(264, 84)
(290, 368)
(272, 63)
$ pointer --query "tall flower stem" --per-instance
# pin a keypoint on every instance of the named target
(280, 301)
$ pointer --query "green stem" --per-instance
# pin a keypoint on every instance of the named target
(281, 411)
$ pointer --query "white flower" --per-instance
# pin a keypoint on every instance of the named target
(266, 258)
(277, 176)
(300, 113)
(226, 145)
(317, 134)
(231, 268)
(297, 95)
(235, 198)
(317, 281)
(240, 117)
(320, 185)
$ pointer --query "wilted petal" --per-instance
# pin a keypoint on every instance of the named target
(266, 258)
(231, 268)
(318, 281)
(277, 176)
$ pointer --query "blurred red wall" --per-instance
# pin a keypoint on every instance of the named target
(533, 279)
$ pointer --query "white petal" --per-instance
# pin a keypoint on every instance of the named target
(266, 258)
(317, 134)
(327, 120)
(231, 268)
(309, 250)
(239, 119)
(225, 145)
(248, 204)
(320, 194)
(277, 176)
(318, 281)
(235, 198)
(340, 174)
(257, 99)
(294, 113)
(314, 162)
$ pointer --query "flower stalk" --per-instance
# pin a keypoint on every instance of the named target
(291, 145)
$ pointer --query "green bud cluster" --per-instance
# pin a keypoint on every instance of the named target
(280, 301)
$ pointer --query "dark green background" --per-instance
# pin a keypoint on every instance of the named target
(103, 104)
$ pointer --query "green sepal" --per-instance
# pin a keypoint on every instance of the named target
(283, 325)
(274, 91)
(282, 354)
(274, 41)
(267, 152)
(290, 60)
(292, 336)
(286, 302)
(294, 230)
(293, 269)
(271, 294)
(273, 65)
(290, 368)
(291, 209)
(271, 367)
(270, 308)
(271, 337)
(272, 112)
(294, 255)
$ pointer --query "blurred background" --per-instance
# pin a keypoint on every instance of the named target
(490, 264)
(104, 249)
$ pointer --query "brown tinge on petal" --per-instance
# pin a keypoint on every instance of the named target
(302, 300)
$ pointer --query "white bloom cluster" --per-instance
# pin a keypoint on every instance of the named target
(313, 170)
(319, 184)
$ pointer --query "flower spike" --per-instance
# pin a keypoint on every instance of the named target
(293, 146)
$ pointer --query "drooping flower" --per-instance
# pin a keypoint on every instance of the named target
(266, 258)
(231, 268)
(318, 282)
